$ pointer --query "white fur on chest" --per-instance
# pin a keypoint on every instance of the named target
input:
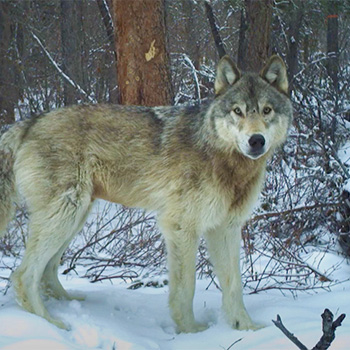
(216, 208)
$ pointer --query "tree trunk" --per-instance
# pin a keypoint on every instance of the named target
(191, 29)
(242, 42)
(142, 58)
(333, 57)
(332, 42)
(293, 35)
(103, 6)
(8, 88)
(256, 48)
(71, 31)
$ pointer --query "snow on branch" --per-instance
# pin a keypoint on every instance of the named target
(195, 77)
(64, 75)
(328, 328)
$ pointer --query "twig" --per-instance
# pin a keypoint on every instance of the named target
(278, 323)
(293, 210)
(234, 343)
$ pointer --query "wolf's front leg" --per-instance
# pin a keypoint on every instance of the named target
(224, 250)
(181, 248)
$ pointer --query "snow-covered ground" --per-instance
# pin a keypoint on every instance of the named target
(114, 317)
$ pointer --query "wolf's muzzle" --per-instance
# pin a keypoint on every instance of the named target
(256, 143)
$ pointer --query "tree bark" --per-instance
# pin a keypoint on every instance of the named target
(256, 49)
(8, 88)
(71, 31)
(191, 29)
(242, 42)
(142, 58)
(332, 42)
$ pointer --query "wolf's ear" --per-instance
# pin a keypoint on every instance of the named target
(226, 74)
(275, 73)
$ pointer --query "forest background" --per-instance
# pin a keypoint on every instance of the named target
(55, 53)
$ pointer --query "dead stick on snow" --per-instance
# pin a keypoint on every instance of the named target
(278, 323)
(328, 328)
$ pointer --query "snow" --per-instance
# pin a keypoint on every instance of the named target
(115, 317)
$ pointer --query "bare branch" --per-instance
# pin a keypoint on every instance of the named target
(64, 75)
(294, 210)
(195, 77)
(278, 323)
(214, 29)
(328, 328)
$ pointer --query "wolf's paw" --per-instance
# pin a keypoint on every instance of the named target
(77, 297)
(61, 294)
(244, 322)
(194, 327)
(58, 323)
(245, 326)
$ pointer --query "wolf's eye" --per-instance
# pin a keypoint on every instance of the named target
(238, 111)
(267, 110)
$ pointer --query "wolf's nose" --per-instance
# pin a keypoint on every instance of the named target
(256, 142)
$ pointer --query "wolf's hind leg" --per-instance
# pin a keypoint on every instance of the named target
(50, 228)
(51, 285)
(50, 282)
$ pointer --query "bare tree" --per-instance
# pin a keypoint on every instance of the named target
(142, 57)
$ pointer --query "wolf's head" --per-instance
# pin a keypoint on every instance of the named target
(251, 112)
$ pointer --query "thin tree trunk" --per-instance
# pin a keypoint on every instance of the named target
(142, 57)
(107, 21)
(333, 57)
(242, 43)
(257, 36)
(71, 31)
(214, 29)
(191, 28)
(294, 41)
(8, 88)
(332, 43)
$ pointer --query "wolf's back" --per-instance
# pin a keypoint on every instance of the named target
(10, 142)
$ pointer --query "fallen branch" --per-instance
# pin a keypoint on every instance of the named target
(278, 323)
(328, 328)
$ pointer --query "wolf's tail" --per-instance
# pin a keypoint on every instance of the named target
(10, 142)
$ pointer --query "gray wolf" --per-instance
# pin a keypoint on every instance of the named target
(200, 168)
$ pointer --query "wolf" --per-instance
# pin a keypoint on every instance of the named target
(201, 168)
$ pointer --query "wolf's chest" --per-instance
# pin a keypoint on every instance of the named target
(220, 205)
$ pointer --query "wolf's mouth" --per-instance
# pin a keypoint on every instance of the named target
(256, 154)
